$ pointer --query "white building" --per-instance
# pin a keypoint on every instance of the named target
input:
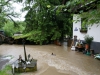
(93, 30)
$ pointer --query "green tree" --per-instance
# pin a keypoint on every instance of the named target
(7, 11)
(10, 29)
(44, 24)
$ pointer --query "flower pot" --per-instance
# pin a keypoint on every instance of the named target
(86, 46)
(57, 43)
(83, 31)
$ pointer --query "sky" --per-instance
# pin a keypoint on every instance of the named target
(17, 8)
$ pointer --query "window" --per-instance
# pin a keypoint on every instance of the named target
(83, 25)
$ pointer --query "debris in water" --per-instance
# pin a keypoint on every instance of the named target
(53, 54)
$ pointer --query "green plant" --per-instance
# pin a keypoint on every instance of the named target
(7, 70)
(83, 30)
(92, 15)
(10, 29)
(47, 23)
(88, 39)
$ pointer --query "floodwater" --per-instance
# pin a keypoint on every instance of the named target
(63, 62)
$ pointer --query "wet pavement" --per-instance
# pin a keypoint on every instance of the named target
(63, 62)
(3, 62)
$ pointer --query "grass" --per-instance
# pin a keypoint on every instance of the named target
(7, 70)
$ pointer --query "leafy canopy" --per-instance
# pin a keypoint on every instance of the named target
(44, 22)
(89, 9)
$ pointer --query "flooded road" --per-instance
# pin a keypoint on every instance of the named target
(63, 62)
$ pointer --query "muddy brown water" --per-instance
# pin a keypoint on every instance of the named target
(63, 62)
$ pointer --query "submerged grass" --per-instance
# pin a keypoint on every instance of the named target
(7, 70)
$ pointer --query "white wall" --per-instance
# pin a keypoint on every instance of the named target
(92, 30)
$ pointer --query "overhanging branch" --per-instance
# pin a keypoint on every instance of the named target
(15, 24)
(5, 3)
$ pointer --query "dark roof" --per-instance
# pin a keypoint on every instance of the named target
(86, 7)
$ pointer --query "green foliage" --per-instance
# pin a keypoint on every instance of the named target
(6, 11)
(92, 16)
(10, 29)
(88, 39)
(44, 24)
(6, 70)
(43, 21)
(59, 9)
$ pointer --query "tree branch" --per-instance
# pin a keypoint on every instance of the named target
(12, 20)
(5, 3)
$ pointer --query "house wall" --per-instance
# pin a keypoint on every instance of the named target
(93, 30)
